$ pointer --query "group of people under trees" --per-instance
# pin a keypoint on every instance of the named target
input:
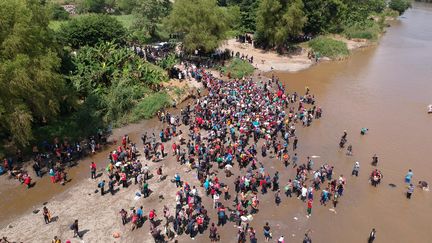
(52, 159)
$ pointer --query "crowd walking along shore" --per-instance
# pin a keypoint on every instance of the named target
(228, 139)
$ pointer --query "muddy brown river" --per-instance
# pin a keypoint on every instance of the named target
(386, 89)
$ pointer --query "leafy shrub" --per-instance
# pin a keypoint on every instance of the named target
(168, 62)
(400, 5)
(91, 30)
(329, 47)
(238, 68)
(148, 106)
(58, 12)
(370, 31)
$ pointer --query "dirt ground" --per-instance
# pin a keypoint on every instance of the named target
(267, 61)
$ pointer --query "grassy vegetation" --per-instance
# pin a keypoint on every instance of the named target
(370, 32)
(238, 68)
(328, 47)
(148, 106)
(55, 24)
(126, 20)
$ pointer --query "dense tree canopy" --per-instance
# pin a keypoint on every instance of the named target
(126, 6)
(201, 23)
(30, 86)
(149, 14)
(278, 20)
(91, 30)
(98, 67)
(92, 6)
(115, 75)
(58, 12)
(323, 16)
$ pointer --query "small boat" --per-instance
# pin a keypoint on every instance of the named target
(429, 109)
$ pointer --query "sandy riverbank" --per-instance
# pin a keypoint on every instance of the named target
(77, 199)
(270, 60)
(98, 215)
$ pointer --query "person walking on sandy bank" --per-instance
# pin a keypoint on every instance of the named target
(47, 215)
(75, 229)
(93, 170)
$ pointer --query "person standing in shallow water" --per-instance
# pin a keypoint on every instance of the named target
(410, 191)
(267, 233)
(375, 160)
(409, 176)
(356, 168)
(372, 236)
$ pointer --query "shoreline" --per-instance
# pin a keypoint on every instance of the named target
(44, 190)
(283, 64)
(59, 199)
(267, 61)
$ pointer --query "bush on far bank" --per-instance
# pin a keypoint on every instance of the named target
(400, 5)
(328, 47)
(238, 68)
(369, 31)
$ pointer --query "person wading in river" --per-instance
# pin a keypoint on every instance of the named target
(372, 236)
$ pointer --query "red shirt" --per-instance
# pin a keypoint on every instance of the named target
(152, 214)
(309, 204)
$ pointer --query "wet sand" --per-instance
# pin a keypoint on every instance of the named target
(384, 88)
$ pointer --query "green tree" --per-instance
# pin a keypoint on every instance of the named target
(96, 68)
(58, 12)
(91, 6)
(278, 20)
(400, 5)
(248, 10)
(149, 15)
(126, 6)
(91, 30)
(247, 13)
(358, 12)
(201, 24)
(324, 16)
(116, 76)
(30, 85)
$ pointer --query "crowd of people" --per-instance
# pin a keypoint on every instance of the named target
(238, 124)
(52, 159)
(227, 135)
